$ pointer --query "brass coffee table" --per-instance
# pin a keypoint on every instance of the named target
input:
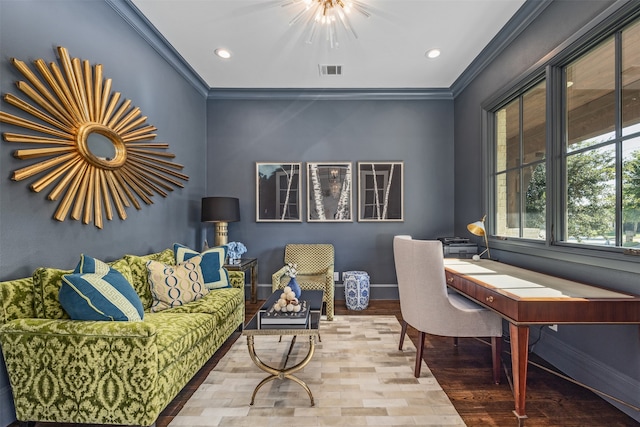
(312, 329)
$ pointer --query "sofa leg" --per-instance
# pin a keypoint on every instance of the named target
(27, 423)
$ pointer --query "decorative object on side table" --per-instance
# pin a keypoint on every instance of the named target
(235, 250)
(292, 272)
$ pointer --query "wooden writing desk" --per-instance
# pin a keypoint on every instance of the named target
(524, 297)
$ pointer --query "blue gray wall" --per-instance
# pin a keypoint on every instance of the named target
(29, 236)
(220, 140)
(419, 133)
(605, 357)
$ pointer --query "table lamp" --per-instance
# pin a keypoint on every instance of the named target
(479, 229)
(221, 211)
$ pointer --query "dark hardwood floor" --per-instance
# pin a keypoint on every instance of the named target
(464, 372)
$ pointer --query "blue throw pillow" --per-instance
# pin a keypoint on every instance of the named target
(212, 265)
(95, 291)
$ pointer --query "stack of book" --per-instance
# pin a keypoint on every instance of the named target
(271, 317)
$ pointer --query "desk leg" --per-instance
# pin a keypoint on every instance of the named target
(254, 283)
(519, 361)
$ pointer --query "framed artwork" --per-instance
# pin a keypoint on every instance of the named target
(278, 192)
(380, 191)
(329, 192)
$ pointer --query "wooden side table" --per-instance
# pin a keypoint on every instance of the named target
(244, 265)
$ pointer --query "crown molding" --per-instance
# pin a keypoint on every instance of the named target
(527, 13)
(136, 19)
(331, 94)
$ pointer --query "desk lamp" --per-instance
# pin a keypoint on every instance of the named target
(478, 229)
(221, 211)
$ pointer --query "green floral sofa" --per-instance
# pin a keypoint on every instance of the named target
(101, 372)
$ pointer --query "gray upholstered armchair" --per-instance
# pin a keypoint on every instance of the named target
(426, 305)
(315, 270)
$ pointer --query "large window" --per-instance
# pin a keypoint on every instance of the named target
(520, 180)
(588, 191)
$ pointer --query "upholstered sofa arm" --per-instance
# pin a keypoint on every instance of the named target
(16, 299)
(276, 278)
(71, 371)
(236, 279)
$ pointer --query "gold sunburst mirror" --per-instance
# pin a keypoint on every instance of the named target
(97, 151)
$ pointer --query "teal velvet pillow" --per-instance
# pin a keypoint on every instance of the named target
(212, 265)
(95, 291)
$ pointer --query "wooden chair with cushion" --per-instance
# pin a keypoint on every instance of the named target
(315, 270)
(426, 305)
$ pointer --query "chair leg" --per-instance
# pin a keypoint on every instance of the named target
(496, 350)
(455, 341)
(419, 352)
(330, 309)
(403, 332)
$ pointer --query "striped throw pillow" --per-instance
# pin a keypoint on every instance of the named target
(95, 291)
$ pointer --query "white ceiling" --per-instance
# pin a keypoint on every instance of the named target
(389, 52)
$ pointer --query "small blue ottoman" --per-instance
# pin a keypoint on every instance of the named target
(356, 289)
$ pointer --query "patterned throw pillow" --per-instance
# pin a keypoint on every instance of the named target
(215, 275)
(95, 291)
(175, 285)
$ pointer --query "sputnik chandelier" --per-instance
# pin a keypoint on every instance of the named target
(327, 16)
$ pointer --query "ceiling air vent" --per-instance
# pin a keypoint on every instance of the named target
(330, 70)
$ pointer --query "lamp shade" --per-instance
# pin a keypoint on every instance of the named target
(220, 209)
(477, 228)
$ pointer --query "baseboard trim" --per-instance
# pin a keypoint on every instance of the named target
(379, 291)
(592, 372)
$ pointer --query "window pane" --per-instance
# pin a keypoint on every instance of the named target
(631, 192)
(590, 196)
(535, 178)
(631, 79)
(508, 204)
(590, 97)
(508, 136)
(533, 124)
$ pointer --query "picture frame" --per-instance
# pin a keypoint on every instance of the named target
(381, 191)
(278, 187)
(329, 191)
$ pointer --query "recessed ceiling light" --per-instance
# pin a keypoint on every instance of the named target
(433, 53)
(223, 53)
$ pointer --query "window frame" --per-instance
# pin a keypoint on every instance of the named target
(550, 69)
(516, 96)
